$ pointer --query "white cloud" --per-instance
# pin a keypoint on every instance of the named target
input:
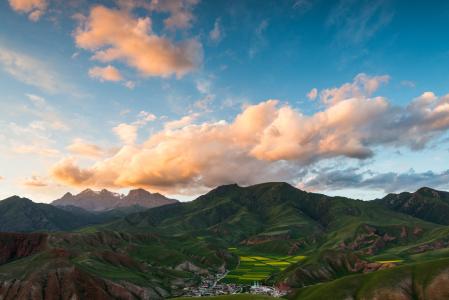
(144, 117)
(216, 34)
(31, 71)
(48, 117)
(130, 84)
(126, 132)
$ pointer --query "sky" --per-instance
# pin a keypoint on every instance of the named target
(342, 97)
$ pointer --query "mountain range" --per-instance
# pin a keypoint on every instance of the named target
(396, 247)
(105, 200)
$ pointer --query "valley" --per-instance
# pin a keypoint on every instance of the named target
(269, 239)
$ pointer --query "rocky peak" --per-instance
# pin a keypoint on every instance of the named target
(106, 200)
(67, 195)
(139, 193)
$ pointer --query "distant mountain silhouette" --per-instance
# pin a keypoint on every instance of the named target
(23, 215)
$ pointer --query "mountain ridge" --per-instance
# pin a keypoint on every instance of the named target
(104, 200)
(23, 215)
(165, 249)
(425, 203)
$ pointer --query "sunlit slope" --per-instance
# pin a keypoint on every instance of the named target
(426, 280)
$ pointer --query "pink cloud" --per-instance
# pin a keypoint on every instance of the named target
(265, 142)
(34, 8)
(83, 148)
(113, 35)
(108, 73)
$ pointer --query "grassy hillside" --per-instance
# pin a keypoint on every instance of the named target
(272, 233)
(426, 280)
(22, 215)
(425, 203)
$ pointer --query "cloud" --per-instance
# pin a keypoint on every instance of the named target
(266, 141)
(362, 86)
(259, 40)
(390, 182)
(34, 8)
(130, 84)
(67, 171)
(357, 21)
(216, 34)
(27, 69)
(144, 117)
(83, 148)
(180, 12)
(48, 117)
(204, 87)
(184, 121)
(408, 83)
(108, 73)
(37, 136)
(126, 132)
(312, 94)
(35, 182)
(37, 149)
(117, 35)
(303, 5)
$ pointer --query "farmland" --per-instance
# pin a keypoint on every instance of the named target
(258, 267)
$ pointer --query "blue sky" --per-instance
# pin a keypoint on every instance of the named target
(66, 126)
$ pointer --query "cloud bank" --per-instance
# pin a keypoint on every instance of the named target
(266, 141)
(389, 182)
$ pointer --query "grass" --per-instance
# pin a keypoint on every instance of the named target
(366, 286)
(258, 267)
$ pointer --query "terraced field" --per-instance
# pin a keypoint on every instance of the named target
(258, 268)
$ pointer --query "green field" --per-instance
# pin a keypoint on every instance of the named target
(258, 267)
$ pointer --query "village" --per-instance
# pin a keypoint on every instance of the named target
(211, 286)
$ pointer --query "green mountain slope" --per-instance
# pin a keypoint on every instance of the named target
(23, 215)
(426, 203)
(274, 212)
(426, 280)
(299, 241)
